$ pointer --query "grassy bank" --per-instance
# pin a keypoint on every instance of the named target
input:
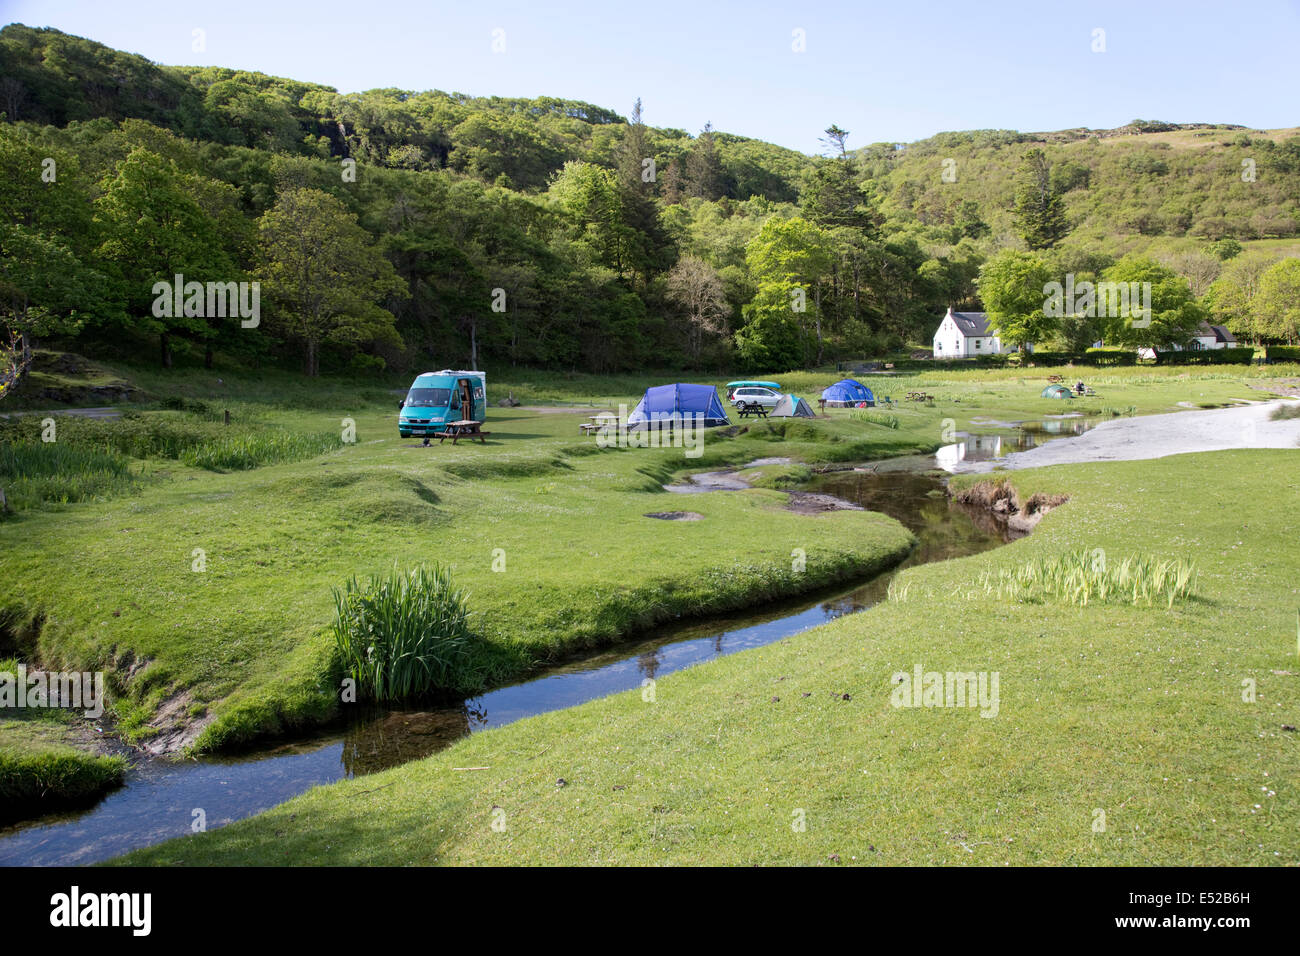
(204, 589)
(1125, 733)
(44, 768)
(206, 595)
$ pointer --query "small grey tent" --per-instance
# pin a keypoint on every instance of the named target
(791, 406)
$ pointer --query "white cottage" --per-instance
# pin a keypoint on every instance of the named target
(965, 334)
(1212, 337)
(1206, 337)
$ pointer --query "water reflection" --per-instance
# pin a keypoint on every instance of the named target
(397, 737)
(157, 801)
(991, 447)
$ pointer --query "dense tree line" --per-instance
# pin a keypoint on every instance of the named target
(391, 228)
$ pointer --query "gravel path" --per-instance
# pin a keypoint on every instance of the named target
(81, 412)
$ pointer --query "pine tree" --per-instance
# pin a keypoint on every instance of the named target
(1039, 212)
(705, 177)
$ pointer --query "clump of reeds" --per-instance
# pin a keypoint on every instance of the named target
(402, 634)
(875, 418)
(1081, 577)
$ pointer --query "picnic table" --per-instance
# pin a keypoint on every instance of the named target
(1056, 378)
(595, 423)
(465, 428)
(747, 410)
(920, 396)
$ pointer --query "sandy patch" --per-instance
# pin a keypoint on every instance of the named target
(1157, 436)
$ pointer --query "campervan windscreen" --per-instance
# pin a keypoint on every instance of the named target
(432, 397)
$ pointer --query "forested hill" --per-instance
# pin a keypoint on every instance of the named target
(1146, 179)
(53, 78)
(557, 232)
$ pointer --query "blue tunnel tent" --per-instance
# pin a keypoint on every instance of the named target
(677, 403)
(848, 392)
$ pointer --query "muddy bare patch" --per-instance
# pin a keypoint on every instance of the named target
(709, 481)
(1281, 386)
(176, 729)
(676, 515)
(809, 503)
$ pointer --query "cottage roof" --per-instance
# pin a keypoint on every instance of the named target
(971, 324)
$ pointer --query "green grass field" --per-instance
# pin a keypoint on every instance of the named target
(1124, 734)
(44, 765)
(238, 650)
(239, 646)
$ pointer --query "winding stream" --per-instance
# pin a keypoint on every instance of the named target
(159, 798)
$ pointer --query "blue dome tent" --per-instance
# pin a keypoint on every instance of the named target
(848, 392)
(675, 404)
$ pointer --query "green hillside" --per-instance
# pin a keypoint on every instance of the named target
(552, 232)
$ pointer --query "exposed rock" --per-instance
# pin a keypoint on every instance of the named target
(176, 729)
(1004, 504)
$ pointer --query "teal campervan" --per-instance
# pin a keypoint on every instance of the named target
(436, 398)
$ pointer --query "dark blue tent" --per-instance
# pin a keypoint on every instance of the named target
(848, 392)
(678, 403)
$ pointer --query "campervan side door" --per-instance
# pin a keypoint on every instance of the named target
(472, 399)
(480, 400)
(469, 400)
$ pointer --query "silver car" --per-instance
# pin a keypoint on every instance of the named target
(752, 395)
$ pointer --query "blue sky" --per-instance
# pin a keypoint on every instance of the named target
(895, 71)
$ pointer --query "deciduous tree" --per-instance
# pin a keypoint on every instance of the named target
(694, 287)
(1012, 288)
(324, 274)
